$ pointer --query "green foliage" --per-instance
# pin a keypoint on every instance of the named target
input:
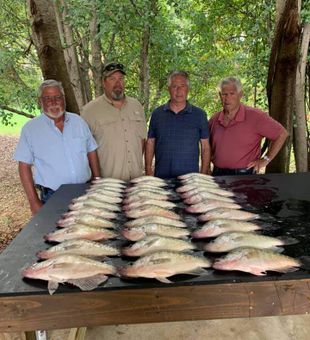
(209, 39)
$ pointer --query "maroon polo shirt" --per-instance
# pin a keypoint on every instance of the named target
(238, 144)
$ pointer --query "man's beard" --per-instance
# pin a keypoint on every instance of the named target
(117, 94)
(55, 112)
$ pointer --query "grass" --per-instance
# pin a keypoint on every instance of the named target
(17, 121)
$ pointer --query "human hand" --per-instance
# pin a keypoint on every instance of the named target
(257, 165)
(149, 172)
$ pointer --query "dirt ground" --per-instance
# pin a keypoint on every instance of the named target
(14, 210)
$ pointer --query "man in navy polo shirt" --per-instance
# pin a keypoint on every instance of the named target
(175, 132)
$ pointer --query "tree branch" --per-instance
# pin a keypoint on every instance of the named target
(7, 108)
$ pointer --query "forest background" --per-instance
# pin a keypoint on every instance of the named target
(265, 43)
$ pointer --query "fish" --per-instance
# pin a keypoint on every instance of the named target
(80, 231)
(202, 196)
(163, 264)
(76, 205)
(145, 194)
(109, 180)
(146, 201)
(85, 273)
(151, 210)
(162, 193)
(208, 205)
(196, 175)
(107, 189)
(232, 240)
(217, 227)
(150, 179)
(134, 189)
(79, 247)
(155, 219)
(91, 220)
(234, 214)
(194, 186)
(91, 211)
(140, 232)
(99, 197)
(256, 261)
(215, 191)
(151, 244)
(105, 192)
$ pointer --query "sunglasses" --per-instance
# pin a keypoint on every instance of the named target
(114, 66)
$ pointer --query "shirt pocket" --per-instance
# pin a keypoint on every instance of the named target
(137, 122)
(78, 144)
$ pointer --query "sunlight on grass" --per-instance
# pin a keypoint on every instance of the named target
(18, 122)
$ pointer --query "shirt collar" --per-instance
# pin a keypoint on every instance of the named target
(51, 121)
(239, 117)
(188, 108)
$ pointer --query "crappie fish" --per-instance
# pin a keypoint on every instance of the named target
(110, 180)
(93, 221)
(196, 175)
(80, 271)
(151, 210)
(150, 179)
(140, 232)
(208, 205)
(95, 204)
(163, 264)
(91, 211)
(232, 240)
(233, 214)
(145, 194)
(147, 187)
(185, 188)
(79, 247)
(103, 191)
(155, 219)
(146, 201)
(202, 196)
(108, 189)
(80, 231)
(256, 261)
(217, 227)
(161, 192)
(99, 197)
(154, 243)
(203, 188)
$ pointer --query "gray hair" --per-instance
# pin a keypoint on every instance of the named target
(230, 80)
(178, 73)
(50, 83)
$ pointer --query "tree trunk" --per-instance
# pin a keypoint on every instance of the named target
(144, 69)
(85, 67)
(300, 124)
(282, 77)
(48, 45)
(70, 52)
(96, 52)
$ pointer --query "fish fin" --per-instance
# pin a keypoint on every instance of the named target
(198, 271)
(89, 283)
(286, 270)
(257, 272)
(277, 249)
(163, 280)
(52, 287)
(288, 240)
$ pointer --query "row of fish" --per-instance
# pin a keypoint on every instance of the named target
(161, 237)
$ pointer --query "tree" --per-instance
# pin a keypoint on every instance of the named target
(48, 45)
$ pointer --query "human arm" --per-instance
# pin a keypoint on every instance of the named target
(143, 142)
(149, 155)
(26, 178)
(205, 156)
(274, 147)
(94, 163)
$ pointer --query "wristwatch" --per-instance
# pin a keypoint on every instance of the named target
(266, 158)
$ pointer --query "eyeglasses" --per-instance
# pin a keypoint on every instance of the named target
(114, 66)
(48, 99)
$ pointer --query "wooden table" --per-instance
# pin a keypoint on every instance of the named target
(25, 305)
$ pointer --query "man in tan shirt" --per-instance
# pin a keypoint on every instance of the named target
(118, 124)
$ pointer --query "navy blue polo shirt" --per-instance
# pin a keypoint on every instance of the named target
(177, 137)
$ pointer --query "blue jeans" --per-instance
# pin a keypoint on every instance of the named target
(45, 193)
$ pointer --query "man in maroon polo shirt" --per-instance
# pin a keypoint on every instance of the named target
(237, 131)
